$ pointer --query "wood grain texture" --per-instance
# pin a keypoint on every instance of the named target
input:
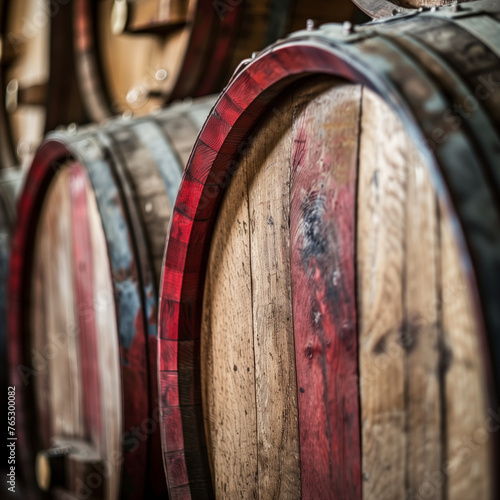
(381, 259)
(83, 284)
(470, 424)
(322, 226)
(268, 175)
(381, 293)
(444, 449)
(421, 331)
(250, 392)
(58, 389)
(228, 360)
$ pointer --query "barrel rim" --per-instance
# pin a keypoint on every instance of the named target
(208, 173)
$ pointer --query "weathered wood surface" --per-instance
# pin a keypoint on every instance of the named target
(228, 361)
(403, 347)
(407, 258)
(380, 250)
(259, 378)
(58, 390)
(111, 388)
(103, 269)
(470, 423)
(260, 261)
(323, 197)
(73, 334)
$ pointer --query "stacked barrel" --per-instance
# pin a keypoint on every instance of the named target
(242, 274)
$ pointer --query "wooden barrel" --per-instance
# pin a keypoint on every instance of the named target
(85, 267)
(37, 76)
(329, 303)
(179, 48)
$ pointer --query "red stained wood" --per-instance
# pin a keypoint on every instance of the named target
(322, 225)
(207, 175)
(83, 268)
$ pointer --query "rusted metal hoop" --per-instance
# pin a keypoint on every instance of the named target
(378, 9)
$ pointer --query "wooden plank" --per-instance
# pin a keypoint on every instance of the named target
(64, 368)
(53, 320)
(421, 336)
(249, 384)
(380, 256)
(227, 353)
(322, 225)
(83, 274)
(468, 469)
(268, 175)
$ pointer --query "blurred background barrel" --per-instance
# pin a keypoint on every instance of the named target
(85, 268)
(340, 339)
(178, 48)
(37, 76)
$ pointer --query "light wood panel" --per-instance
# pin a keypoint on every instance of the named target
(381, 260)
(421, 334)
(268, 172)
(469, 424)
(54, 324)
(227, 361)
(423, 388)
(248, 364)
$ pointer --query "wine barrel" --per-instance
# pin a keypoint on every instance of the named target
(85, 269)
(37, 76)
(179, 48)
(329, 302)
